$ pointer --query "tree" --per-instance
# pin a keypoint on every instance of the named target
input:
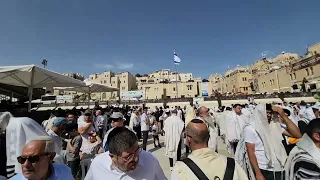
(83, 97)
(138, 75)
(317, 96)
(44, 63)
(303, 85)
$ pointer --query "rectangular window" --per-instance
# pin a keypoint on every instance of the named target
(174, 89)
(294, 76)
(311, 70)
(290, 76)
(307, 72)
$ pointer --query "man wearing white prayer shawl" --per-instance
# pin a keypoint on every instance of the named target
(133, 115)
(18, 132)
(304, 159)
(206, 118)
(260, 151)
(173, 127)
(235, 127)
(246, 112)
(292, 116)
(306, 115)
(190, 114)
(222, 121)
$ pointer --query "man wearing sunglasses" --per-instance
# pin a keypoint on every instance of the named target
(125, 159)
(117, 119)
(37, 162)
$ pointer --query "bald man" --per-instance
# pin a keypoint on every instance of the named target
(212, 164)
(37, 162)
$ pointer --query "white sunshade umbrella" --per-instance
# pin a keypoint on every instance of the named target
(35, 101)
(91, 87)
(32, 76)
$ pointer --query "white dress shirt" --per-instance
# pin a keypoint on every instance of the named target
(144, 125)
(148, 169)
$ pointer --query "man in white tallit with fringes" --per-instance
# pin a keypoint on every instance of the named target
(234, 128)
(190, 114)
(173, 127)
(304, 160)
(222, 120)
(260, 151)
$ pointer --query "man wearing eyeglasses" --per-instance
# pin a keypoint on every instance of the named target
(37, 162)
(125, 159)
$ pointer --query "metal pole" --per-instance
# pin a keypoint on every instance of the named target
(30, 89)
(175, 67)
(277, 81)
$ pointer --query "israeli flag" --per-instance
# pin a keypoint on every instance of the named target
(176, 59)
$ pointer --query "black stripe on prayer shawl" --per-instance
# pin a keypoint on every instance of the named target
(307, 169)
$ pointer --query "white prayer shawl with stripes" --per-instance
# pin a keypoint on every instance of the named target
(306, 152)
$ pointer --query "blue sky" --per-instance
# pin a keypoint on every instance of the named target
(139, 36)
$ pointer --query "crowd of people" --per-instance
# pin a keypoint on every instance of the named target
(279, 141)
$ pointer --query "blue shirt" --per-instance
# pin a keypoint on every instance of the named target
(60, 172)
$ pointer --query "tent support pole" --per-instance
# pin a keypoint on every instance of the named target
(30, 89)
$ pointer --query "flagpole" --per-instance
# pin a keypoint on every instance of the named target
(175, 67)
(176, 71)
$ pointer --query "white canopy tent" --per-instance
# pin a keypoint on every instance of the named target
(38, 101)
(90, 87)
(32, 76)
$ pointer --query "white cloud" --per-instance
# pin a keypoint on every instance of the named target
(124, 66)
(115, 66)
(108, 66)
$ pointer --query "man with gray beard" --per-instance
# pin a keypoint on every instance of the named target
(204, 115)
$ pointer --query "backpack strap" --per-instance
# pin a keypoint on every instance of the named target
(228, 175)
(195, 169)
